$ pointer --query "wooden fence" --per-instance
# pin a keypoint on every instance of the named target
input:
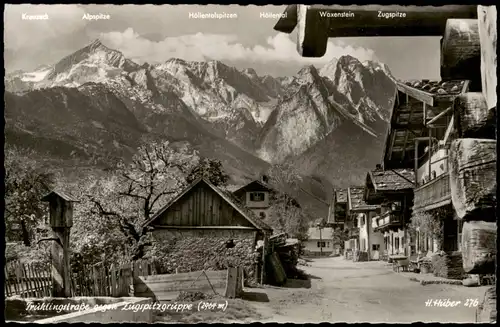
(137, 278)
(113, 280)
(27, 279)
(35, 280)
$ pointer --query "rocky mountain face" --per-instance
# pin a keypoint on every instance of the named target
(96, 102)
(331, 120)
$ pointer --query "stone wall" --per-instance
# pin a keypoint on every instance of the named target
(204, 249)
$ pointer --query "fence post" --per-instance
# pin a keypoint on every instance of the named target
(239, 282)
(27, 281)
(231, 282)
(95, 281)
(7, 284)
(112, 272)
(36, 292)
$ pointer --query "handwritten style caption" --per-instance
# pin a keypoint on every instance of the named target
(157, 306)
(446, 303)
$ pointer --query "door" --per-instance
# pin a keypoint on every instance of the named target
(375, 252)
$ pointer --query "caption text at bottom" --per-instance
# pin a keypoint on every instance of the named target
(157, 306)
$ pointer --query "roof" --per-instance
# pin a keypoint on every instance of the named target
(257, 183)
(61, 194)
(426, 99)
(341, 195)
(227, 196)
(313, 233)
(430, 92)
(356, 202)
(392, 180)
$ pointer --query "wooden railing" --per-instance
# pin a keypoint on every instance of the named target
(433, 194)
(385, 220)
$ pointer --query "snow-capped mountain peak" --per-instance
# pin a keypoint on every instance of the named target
(328, 70)
(276, 118)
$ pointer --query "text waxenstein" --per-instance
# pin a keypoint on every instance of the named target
(343, 14)
(214, 15)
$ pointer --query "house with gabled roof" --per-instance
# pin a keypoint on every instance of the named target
(207, 228)
(392, 189)
(360, 214)
(258, 196)
(419, 138)
(337, 211)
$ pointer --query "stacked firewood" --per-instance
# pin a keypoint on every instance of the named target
(469, 52)
(448, 265)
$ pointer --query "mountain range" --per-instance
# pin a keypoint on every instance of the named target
(95, 106)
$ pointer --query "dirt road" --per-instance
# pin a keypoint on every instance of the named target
(345, 291)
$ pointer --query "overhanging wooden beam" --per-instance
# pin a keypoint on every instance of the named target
(448, 130)
(430, 122)
(288, 20)
(417, 94)
(316, 23)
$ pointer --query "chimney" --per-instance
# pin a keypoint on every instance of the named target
(265, 179)
(378, 167)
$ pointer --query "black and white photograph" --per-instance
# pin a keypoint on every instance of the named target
(240, 164)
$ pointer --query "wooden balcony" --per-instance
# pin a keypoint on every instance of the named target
(433, 194)
(386, 220)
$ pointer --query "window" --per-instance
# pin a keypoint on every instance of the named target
(321, 244)
(375, 247)
(396, 245)
(257, 196)
(262, 215)
(396, 206)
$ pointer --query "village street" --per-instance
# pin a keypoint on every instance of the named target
(345, 291)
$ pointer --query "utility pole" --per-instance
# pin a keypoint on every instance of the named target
(320, 241)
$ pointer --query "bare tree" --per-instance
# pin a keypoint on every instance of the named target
(156, 174)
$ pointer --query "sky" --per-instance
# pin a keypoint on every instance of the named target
(153, 34)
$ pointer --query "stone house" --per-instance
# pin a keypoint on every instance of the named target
(204, 227)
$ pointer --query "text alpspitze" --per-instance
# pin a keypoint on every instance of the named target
(96, 16)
